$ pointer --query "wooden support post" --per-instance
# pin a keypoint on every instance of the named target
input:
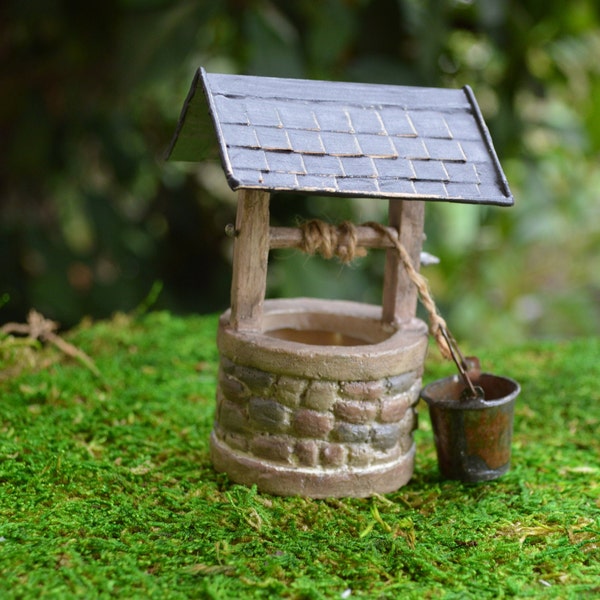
(250, 259)
(399, 294)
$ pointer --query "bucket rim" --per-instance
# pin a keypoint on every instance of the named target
(471, 404)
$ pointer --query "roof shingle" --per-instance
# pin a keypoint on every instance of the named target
(346, 139)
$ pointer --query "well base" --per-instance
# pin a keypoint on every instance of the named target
(284, 480)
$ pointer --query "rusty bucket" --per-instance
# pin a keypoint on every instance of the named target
(472, 435)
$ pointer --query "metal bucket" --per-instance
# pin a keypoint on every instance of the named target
(472, 436)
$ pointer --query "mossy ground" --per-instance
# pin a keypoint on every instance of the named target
(106, 489)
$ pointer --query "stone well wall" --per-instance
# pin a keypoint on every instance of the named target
(315, 423)
(318, 420)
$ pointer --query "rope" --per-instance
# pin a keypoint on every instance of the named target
(341, 241)
(437, 324)
(330, 240)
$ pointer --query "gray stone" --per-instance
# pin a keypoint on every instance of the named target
(232, 417)
(408, 423)
(385, 437)
(233, 389)
(226, 365)
(360, 455)
(398, 384)
(268, 415)
(288, 479)
(351, 434)
(406, 443)
(236, 441)
(393, 409)
(272, 447)
(259, 382)
(391, 454)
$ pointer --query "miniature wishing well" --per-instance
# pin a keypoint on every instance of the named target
(316, 397)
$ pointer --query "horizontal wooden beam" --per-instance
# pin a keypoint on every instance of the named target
(292, 237)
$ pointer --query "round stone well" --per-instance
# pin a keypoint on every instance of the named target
(320, 402)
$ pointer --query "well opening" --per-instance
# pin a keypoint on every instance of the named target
(315, 337)
(324, 339)
(324, 327)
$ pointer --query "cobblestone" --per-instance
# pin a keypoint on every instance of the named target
(405, 444)
(321, 395)
(363, 390)
(236, 441)
(312, 424)
(232, 417)
(360, 455)
(397, 384)
(275, 448)
(315, 423)
(393, 453)
(333, 455)
(355, 411)
(268, 415)
(233, 389)
(307, 452)
(259, 382)
(351, 434)
(226, 365)
(408, 423)
(289, 390)
(394, 408)
(385, 437)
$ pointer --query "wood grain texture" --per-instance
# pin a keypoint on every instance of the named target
(399, 294)
(250, 260)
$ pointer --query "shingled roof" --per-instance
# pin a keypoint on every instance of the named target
(345, 139)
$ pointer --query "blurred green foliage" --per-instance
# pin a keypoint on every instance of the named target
(91, 218)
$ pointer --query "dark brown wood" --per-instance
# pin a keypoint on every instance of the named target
(399, 294)
(250, 259)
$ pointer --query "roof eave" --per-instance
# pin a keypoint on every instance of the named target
(504, 201)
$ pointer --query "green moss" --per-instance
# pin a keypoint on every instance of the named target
(106, 488)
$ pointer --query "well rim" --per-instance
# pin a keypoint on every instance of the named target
(396, 348)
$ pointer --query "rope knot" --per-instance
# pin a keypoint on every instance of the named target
(329, 240)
